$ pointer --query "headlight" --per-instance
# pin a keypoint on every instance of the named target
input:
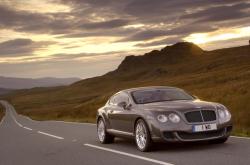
(162, 118)
(174, 118)
(224, 114)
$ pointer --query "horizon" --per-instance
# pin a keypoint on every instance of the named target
(84, 39)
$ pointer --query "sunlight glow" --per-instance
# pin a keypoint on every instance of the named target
(134, 26)
(219, 35)
(45, 6)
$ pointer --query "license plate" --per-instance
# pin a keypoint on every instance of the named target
(204, 127)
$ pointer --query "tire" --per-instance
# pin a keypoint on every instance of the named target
(218, 141)
(142, 136)
(103, 136)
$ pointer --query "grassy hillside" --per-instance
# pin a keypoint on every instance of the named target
(220, 76)
(1, 112)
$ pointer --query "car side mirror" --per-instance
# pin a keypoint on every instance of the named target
(122, 105)
(196, 97)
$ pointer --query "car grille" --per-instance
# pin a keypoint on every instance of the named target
(200, 116)
(201, 135)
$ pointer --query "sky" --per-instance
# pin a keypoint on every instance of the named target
(87, 38)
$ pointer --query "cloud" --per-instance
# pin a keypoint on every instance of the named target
(20, 47)
(31, 22)
(161, 22)
(177, 31)
(144, 35)
(106, 24)
(220, 13)
(12, 18)
(168, 11)
(165, 41)
(101, 15)
(77, 56)
(117, 32)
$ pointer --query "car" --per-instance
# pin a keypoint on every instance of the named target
(162, 114)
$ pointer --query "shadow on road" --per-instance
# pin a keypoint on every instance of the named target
(173, 147)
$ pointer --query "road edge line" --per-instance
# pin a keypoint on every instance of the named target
(128, 154)
(47, 134)
(240, 137)
(27, 128)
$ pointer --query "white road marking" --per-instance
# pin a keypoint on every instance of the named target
(128, 154)
(240, 137)
(27, 128)
(20, 125)
(54, 136)
(68, 122)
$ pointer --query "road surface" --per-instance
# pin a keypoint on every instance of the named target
(27, 142)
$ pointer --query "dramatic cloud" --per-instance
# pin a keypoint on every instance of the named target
(65, 56)
(105, 24)
(73, 33)
(145, 35)
(165, 41)
(180, 31)
(20, 47)
(221, 13)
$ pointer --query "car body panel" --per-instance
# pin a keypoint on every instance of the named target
(120, 121)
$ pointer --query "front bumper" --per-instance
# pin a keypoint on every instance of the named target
(196, 136)
(183, 132)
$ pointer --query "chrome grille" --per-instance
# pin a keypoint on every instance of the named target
(200, 116)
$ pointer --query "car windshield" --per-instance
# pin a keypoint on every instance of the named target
(159, 95)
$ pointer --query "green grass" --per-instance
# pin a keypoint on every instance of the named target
(221, 76)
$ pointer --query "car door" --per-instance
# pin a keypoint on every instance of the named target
(120, 118)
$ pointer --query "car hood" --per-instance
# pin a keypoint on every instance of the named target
(179, 105)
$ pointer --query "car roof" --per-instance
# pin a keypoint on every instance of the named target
(148, 88)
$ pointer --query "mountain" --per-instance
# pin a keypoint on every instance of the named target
(25, 83)
(168, 55)
(221, 75)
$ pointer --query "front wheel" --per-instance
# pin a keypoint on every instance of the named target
(103, 136)
(142, 136)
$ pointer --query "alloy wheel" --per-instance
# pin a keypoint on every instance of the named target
(101, 130)
(141, 135)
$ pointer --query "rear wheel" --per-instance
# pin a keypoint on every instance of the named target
(103, 136)
(142, 136)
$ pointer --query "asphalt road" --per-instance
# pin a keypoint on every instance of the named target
(27, 142)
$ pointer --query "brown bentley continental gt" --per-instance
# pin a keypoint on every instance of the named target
(151, 114)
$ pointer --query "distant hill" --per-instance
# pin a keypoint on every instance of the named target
(221, 75)
(4, 91)
(25, 83)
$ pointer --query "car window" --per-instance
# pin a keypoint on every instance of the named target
(159, 95)
(120, 97)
